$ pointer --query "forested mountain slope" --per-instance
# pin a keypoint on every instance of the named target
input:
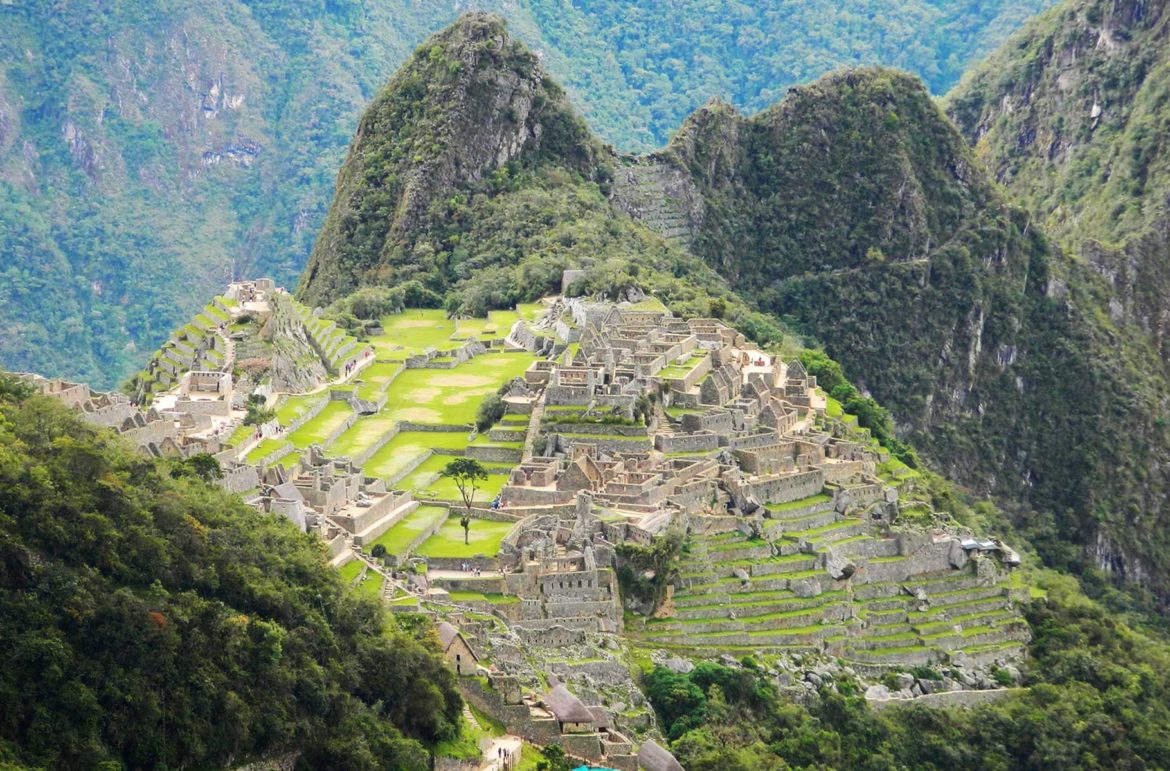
(1073, 116)
(149, 149)
(149, 619)
(853, 208)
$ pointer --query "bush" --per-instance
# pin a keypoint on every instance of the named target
(490, 411)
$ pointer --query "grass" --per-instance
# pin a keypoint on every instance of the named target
(465, 746)
(484, 538)
(426, 480)
(407, 447)
(323, 424)
(494, 599)
(412, 332)
(397, 539)
(812, 500)
(349, 571)
(294, 406)
(265, 447)
(370, 586)
(363, 434)
(451, 396)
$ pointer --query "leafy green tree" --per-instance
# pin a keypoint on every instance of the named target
(467, 473)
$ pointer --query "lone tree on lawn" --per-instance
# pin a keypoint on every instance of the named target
(467, 473)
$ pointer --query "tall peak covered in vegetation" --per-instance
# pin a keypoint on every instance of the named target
(853, 209)
(468, 102)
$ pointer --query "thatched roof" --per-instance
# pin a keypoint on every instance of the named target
(447, 633)
(653, 757)
(567, 707)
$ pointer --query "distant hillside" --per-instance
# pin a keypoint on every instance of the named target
(852, 209)
(149, 150)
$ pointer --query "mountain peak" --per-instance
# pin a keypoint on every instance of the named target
(469, 101)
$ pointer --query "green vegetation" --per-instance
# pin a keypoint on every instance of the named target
(483, 538)
(163, 623)
(318, 429)
(1097, 691)
(398, 538)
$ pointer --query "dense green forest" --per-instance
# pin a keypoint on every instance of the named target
(151, 150)
(150, 620)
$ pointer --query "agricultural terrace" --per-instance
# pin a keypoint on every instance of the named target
(484, 537)
(399, 538)
(448, 398)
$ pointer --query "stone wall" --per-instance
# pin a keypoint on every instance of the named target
(963, 699)
(697, 442)
(239, 479)
(787, 488)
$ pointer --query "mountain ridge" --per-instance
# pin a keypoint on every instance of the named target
(851, 200)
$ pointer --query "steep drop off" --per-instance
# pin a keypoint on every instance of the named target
(854, 210)
(1073, 116)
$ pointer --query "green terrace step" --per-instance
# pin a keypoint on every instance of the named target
(707, 598)
(751, 607)
(983, 618)
(848, 523)
(959, 608)
(780, 620)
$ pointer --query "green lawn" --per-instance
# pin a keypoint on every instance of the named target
(363, 434)
(445, 489)
(413, 331)
(426, 481)
(322, 425)
(265, 447)
(497, 324)
(292, 407)
(398, 538)
(370, 586)
(349, 571)
(484, 538)
(451, 396)
(407, 446)
(800, 504)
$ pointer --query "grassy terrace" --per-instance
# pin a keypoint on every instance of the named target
(294, 406)
(316, 430)
(427, 482)
(363, 434)
(407, 447)
(451, 396)
(349, 571)
(802, 503)
(265, 447)
(397, 539)
(494, 599)
(681, 370)
(484, 538)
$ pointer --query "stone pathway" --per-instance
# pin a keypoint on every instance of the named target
(493, 761)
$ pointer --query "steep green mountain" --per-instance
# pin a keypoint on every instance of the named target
(1072, 116)
(852, 209)
(855, 209)
(150, 620)
(148, 150)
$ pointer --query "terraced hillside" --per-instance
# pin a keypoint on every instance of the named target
(744, 595)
